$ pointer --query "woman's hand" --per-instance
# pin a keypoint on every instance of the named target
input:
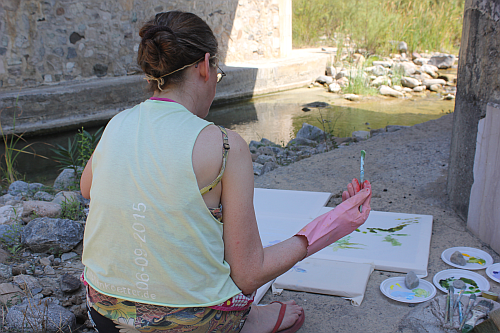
(353, 188)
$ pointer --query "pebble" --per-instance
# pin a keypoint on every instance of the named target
(458, 259)
(411, 280)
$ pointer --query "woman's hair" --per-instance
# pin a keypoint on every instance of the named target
(171, 41)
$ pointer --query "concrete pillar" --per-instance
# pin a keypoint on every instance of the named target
(478, 84)
(484, 206)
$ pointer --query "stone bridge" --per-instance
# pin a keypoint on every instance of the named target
(69, 62)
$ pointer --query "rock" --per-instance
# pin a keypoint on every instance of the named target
(255, 145)
(420, 61)
(257, 168)
(310, 132)
(323, 79)
(352, 97)
(458, 259)
(331, 71)
(428, 83)
(41, 315)
(397, 88)
(342, 74)
(301, 142)
(343, 82)
(387, 64)
(381, 80)
(68, 256)
(40, 209)
(379, 70)
(5, 271)
(402, 47)
(19, 188)
(10, 234)
(26, 282)
(70, 283)
(409, 82)
(334, 87)
(361, 135)
(9, 213)
(411, 280)
(429, 69)
(419, 89)
(45, 261)
(265, 158)
(52, 235)
(435, 87)
(18, 270)
(394, 128)
(406, 68)
(358, 60)
(407, 90)
(266, 150)
(449, 97)
(268, 166)
(67, 196)
(66, 180)
(4, 256)
(385, 90)
(443, 61)
(10, 294)
(44, 196)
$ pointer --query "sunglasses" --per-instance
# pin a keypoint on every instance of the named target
(220, 75)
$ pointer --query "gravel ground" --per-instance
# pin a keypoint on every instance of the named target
(408, 171)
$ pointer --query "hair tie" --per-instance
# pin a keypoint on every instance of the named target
(152, 31)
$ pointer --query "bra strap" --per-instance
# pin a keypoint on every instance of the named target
(225, 151)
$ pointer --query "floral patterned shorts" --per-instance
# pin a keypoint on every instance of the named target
(113, 315)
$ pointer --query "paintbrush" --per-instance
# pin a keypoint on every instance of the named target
(479, 311)
(447, 309)
(362, 173)
(470, 305)
(490, 325)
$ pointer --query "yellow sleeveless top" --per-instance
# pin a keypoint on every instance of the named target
(149, 236)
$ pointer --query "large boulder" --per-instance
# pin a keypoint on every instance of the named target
(387, 91)
(40, 315)
(310, 132)
(22, 188)
(409, 82)
(323, 79)
(429, 69)
(406, 68)
(442, 61)
(40, 209)
(431, 82)
(52, 235)
(66, 180)
(380, 81)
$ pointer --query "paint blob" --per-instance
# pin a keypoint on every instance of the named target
(496, 274)
(403, 294)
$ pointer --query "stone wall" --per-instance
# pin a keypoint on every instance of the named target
(478, 84)
(51, 41)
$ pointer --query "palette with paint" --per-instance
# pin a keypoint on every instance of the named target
(395, 289)
(493, 272)
(476, 258)
(474, 283)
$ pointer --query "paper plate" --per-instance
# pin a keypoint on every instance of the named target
(493, 272)
(468, 252)
(464, 275)
(395, 289)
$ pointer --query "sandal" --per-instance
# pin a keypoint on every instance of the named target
(292, 329)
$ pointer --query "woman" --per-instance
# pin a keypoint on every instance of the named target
(159, 255)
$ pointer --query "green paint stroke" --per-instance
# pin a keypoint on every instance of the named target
(399, 227)
(472, 286)
(344, 243)
(392, 240)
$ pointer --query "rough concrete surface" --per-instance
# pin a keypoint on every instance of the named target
(411, 165)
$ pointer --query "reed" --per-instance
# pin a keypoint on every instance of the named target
(377, 25)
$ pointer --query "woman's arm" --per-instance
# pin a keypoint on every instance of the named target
(86, 180)
(251, 264)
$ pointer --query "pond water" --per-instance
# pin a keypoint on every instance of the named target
(276, 117)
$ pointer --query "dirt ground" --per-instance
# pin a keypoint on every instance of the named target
(408, 171)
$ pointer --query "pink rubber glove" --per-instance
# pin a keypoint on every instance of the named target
(339, 222)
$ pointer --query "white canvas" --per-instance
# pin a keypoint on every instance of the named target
(281, 214)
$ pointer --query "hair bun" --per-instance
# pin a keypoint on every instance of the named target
(153, 30)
